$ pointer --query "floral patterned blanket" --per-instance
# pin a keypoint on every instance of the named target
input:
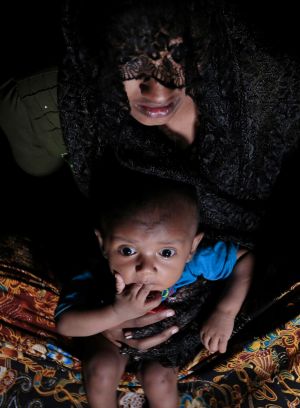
(39, 369)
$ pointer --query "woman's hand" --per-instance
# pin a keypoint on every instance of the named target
(120, 334)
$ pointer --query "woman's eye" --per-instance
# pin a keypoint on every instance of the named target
(167, 252)
(127, 251)
(178, 52)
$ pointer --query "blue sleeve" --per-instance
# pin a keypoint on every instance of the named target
(215, 262)
(75, 293)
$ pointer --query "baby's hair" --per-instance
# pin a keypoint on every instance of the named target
(125, 192)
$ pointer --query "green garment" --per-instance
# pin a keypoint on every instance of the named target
(29, 118)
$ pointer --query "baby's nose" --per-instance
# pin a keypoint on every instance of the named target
(145, 268)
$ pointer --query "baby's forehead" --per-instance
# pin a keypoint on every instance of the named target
(173, 212)
(152, 217)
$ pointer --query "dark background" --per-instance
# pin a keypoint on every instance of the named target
(47, 209)
(30, 35)
(30, 30)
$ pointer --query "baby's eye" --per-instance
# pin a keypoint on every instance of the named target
(127, 251)
(167, 252)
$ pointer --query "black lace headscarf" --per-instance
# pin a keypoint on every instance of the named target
(247, 99)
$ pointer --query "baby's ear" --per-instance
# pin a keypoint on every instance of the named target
(99, 238)
(100, 241)
(195, 244)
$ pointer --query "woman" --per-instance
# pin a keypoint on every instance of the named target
(227, 111)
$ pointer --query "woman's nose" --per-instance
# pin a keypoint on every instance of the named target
(152, 88)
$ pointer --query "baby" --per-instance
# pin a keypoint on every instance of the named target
(148, 230)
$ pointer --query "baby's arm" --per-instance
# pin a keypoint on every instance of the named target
(218, 328)
(132, 302)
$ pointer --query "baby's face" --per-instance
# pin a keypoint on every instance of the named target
(151, 250)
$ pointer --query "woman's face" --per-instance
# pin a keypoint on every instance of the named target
(153, 104)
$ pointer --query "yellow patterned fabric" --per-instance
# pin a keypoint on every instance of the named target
(38, 368)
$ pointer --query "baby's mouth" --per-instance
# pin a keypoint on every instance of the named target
(153, 294)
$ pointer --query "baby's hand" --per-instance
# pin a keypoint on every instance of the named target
(135, 301)
(216, 331)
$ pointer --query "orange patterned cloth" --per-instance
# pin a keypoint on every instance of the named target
(38, 367)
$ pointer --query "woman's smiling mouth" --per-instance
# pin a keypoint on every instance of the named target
(156, 111)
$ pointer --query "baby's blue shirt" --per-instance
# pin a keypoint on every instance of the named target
(213, 263)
